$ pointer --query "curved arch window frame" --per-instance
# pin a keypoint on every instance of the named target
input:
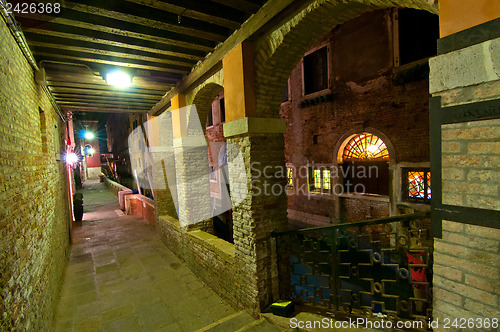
(358, 148)
(386, 161)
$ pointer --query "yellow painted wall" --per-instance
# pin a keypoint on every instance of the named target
(458, 15)
(239, 90)
(153, 131)
(179, 121)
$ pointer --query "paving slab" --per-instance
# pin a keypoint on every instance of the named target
(121, 277)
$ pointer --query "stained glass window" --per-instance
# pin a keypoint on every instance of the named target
(365, 147)
(418, 184)
(319, 180)
(289, 176)
(326, 179)
(365, 167)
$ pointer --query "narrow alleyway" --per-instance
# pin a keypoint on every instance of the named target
(121, 277)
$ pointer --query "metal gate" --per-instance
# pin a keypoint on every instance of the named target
(377, 268)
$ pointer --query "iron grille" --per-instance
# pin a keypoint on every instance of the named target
(377, 268)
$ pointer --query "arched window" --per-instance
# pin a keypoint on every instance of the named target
(364, 165)
(364, 147)
(88, 151)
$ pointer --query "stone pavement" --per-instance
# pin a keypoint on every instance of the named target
(121, 277)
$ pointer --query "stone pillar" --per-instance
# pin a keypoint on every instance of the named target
(162, 155)
(258, 190)
(261, 193)
(191, 166)
(466, 71)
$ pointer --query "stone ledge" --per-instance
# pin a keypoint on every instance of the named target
(190, 142)
(371, 197)
(171, 221)
(473, 65)
(254, 126)
(222, 248)
(114, 186)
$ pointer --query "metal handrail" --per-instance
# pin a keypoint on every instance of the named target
(402, 217)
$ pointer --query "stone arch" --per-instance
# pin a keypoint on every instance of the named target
(277, 53)
(204, 93)
(203, 100)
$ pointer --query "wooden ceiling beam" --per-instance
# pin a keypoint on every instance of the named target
(104, 87)
(129, 43)
(140, 15)
(69, 93)
(111, 99)
(55, 75)
(102, 98)
(101, 109)
(213, 16)
(116, 27)
(104, 103)
(270, 9)
(247, 6)
(104, 60)
(123, 54)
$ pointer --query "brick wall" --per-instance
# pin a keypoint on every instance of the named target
(467, 258)
(141, 206)
(471, 155)
(358, 210)
(278, 52)
(34, 209)
(262, 210)
(370, 97)
(210, 258)
(466, 272)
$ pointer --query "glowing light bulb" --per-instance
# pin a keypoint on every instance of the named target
(71, 158)
(118, 79)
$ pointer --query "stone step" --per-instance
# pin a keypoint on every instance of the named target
(260, 325)
(232, 322)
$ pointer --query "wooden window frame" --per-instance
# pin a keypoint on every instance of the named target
(329, 72)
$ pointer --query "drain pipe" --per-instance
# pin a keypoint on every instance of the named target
(18, 35)
(23, 45)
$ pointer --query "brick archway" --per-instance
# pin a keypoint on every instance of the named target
(203, 100)
(277, 53)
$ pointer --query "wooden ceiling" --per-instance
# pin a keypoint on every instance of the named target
(157, 42)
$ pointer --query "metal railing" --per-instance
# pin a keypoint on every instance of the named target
(376, 268)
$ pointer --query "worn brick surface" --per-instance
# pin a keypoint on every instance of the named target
(466, 272)
(367, 97)
(472, 178)
(278, 52)
(260, 212)
(34, 202)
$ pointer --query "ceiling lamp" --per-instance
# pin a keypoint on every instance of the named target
(118, 79)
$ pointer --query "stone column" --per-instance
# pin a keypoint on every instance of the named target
(466, 75)
(191, 167)
(258, 193)
(162, 155)
(258, 190)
